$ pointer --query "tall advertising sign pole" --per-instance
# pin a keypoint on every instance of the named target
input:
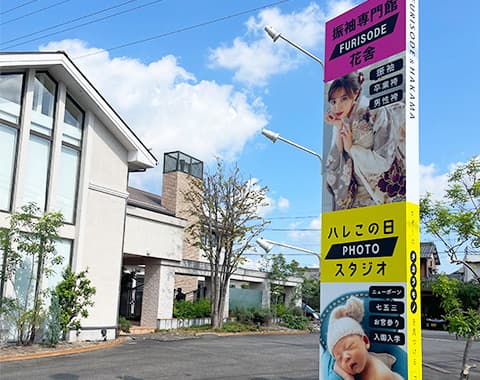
(370, 287)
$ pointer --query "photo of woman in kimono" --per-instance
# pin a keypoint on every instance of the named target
(365, 164)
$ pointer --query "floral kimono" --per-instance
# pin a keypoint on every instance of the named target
(374, 171)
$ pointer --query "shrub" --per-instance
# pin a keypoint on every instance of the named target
(296, 322)
(124, 324)
(54, 331)
(262, 316)
(202, 308)
(188, 310)
(252, 315)
(75, 294)
(242, 314)
(237, 327)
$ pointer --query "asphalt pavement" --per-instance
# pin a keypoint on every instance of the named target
(253, 357)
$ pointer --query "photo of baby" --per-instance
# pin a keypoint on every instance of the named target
(349, 346)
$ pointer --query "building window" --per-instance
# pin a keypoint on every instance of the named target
(63, 249)
(43, 106)
(11, 97)
(36, 175)
(8, 147)
(11, 86)
(40, 143)
(23, 283)
(72, 123)
(67, 183)
(66, 194)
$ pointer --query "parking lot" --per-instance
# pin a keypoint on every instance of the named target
(256, 357)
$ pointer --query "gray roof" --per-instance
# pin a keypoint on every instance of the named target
(472, 257)
(148, 201)
(429, 250)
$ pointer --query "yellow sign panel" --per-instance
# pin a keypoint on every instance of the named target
(370, 268)
(364, 244)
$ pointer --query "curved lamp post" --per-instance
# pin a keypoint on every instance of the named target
(273, 137)
(274, 35)
(267, 246)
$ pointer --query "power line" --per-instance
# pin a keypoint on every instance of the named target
(181, 30)
(34, 12)
(293, 229)
(103, 10)
(293, 217)
(17, 7)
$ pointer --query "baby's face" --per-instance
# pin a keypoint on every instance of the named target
(351, 353)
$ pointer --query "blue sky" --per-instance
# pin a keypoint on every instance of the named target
(208, 87)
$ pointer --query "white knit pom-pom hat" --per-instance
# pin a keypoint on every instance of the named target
(345, 320)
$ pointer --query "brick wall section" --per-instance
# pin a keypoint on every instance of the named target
(174, 184)
(188, 285)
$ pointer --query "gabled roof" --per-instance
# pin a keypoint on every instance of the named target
(62, 68)
(146, 200)
(429, 250)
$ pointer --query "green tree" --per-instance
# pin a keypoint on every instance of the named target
(223, 209)
(74, 294)
(455, 221)
(29, 254)
(311, 292)
(279, 271)
(462, 318)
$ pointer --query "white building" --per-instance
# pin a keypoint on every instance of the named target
(473, 260)
(64, 147)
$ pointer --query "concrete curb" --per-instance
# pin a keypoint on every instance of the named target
(67, 351)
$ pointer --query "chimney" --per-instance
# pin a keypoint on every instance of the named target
(179, 169)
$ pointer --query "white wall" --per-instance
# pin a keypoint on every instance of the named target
(154, 235)
(100, 224)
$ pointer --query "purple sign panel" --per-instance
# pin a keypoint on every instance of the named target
(368, 33)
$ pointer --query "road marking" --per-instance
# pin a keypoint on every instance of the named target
(441, 340)
(434, 367)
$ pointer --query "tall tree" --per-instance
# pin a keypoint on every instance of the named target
(279, 271)
(225, 221)
(462, 314)
(29, 253)
(455, 221)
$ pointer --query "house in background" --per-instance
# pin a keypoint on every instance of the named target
(64, 147)
(429, 260)
(159, 275)
(473, 260)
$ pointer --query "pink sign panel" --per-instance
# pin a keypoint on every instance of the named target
(366, 34)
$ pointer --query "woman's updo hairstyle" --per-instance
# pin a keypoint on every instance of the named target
(351, 83)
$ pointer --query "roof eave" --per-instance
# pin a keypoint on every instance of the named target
(63, 68)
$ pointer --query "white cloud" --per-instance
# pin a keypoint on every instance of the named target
(306, 237)
(168, 108)
(272, 204)
(283, 203)
(337, 7)
(254, 57)
(432, 182)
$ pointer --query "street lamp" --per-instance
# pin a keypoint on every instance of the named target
(273, 137)
(276, 35)
(267, 246)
